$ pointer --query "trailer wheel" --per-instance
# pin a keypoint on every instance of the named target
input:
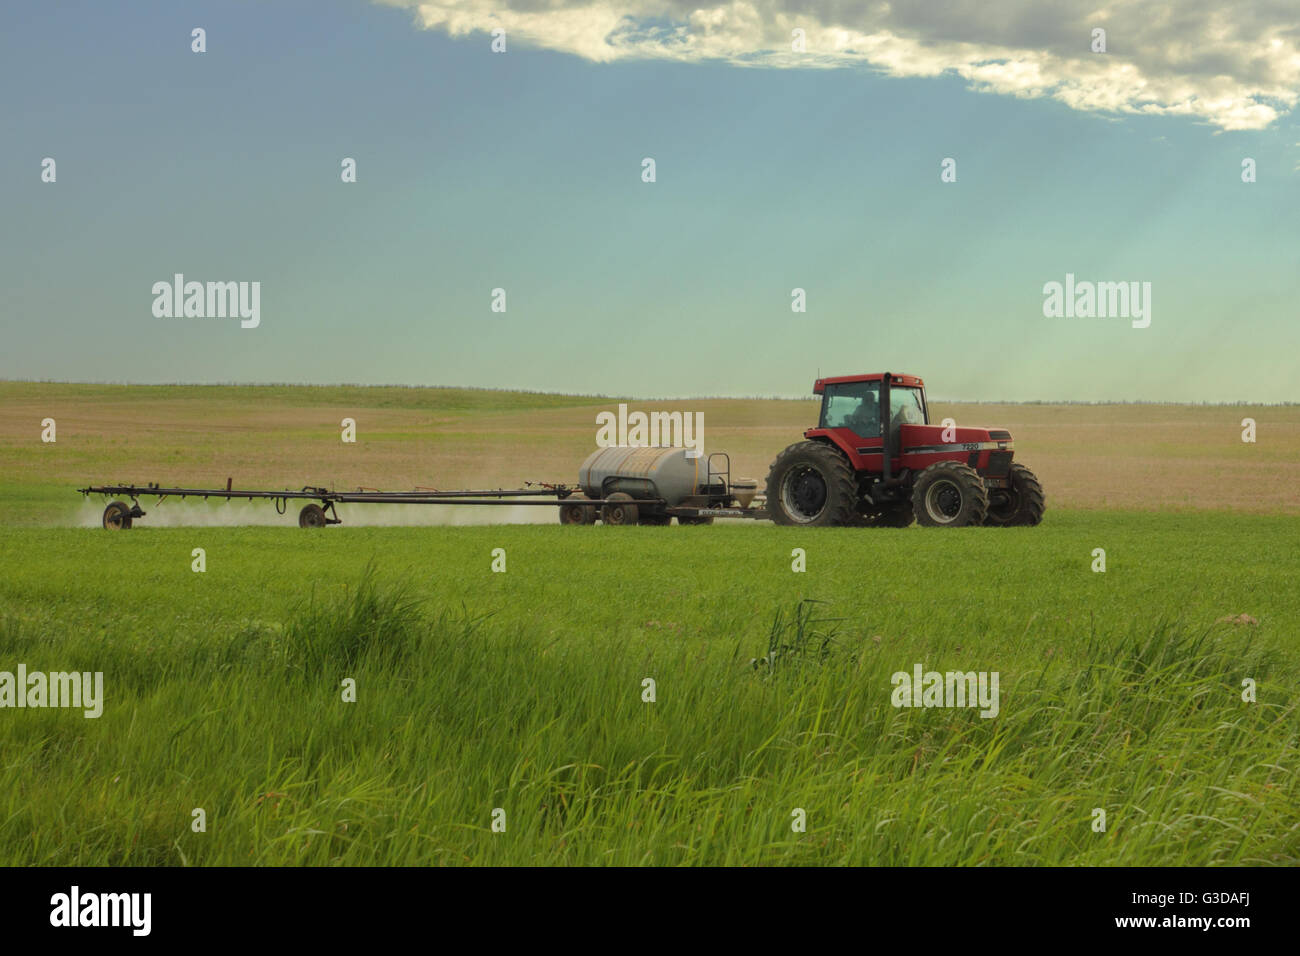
(696, 519)
(312, 516)
(655, 519)
(950, 494)
(1021, 505)
(619, 509)
(117, 516)
(577, 514)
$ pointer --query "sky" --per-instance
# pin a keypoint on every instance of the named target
(775, 169)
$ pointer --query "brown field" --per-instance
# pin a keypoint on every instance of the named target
(1088, 457)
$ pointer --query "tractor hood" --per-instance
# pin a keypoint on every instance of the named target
(936, 439)
(988, 450)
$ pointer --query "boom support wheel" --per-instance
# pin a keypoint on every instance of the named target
(117, 516)
(312, 516)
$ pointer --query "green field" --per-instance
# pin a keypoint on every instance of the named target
(523, 690)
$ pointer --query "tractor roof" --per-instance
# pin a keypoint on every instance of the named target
(894, 379)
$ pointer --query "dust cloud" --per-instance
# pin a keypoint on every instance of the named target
(233, 514)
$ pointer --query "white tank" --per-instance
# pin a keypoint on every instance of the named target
(648, 472)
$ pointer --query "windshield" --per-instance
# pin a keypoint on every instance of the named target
(905, 406)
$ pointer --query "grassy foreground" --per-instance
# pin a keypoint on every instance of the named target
(523, 691)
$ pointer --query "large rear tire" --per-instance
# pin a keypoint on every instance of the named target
(1021, 505)
(950, 494)
(811, 484)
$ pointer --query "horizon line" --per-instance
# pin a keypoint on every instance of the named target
(595, 396)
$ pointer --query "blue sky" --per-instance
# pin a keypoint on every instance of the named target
(522, 170)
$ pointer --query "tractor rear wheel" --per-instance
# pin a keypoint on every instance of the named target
(1021, 505)
(577, 514)
(117, 516)
(811, 484)
(619, 509)
(950, 494)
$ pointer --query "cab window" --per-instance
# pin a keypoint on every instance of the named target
(853, 405)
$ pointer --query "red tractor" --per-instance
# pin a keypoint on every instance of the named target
(875, 459)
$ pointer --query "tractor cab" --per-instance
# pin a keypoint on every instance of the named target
(871, 405)
(866, 417)
(875, 458)
(881, 423)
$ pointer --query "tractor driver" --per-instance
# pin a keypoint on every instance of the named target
(865, 420)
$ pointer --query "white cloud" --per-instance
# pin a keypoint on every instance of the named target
(1233, 65)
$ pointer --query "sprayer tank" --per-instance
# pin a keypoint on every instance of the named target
(649, 472)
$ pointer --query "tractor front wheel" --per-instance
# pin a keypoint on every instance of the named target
(1021, 505)
(812, 484)
(950, 494)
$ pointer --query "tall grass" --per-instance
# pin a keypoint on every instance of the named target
(457, 715)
